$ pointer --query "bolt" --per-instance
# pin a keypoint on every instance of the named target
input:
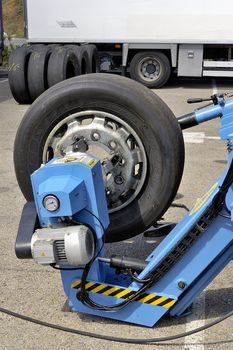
(112, 144)
(181, 284)
(119, 179)
(95, 136)
(80, 145)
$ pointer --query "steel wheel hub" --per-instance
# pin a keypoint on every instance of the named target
(149, 69)
(112, 140)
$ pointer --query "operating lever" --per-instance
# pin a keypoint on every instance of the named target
(199, 100)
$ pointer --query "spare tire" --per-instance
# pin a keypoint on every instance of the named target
(93, 59)
(63, 64)
(17, 74)
(37, 70)
(127, 126)
(82, 57)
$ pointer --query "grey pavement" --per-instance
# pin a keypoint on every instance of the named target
(37, 291)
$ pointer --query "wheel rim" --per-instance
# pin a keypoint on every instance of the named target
(118, 146)
(149, 69)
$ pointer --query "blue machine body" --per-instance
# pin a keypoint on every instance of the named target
(78, 185)
(185, 262)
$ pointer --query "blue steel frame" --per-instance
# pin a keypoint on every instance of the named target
(195, 268)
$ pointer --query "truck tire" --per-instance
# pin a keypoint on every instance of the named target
(82, 57)
(133, 126)
(37, 70)
(93, 59)
(63, 64)
(151, 68)
(17, 74)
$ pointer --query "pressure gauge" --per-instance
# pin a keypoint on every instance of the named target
(51, 203)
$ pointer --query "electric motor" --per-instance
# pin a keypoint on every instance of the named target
(67, 245)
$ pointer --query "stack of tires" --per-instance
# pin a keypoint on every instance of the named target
(35, 68)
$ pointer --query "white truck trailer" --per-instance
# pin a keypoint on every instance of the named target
(149, 39)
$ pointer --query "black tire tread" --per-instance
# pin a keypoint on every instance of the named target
(57, 64)
(93, 56)
(17, 74)
(37, 70)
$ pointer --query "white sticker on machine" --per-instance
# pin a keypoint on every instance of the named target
(79, 158)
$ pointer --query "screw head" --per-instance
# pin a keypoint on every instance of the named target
(181, 284)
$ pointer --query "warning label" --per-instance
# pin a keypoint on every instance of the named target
(79, 158)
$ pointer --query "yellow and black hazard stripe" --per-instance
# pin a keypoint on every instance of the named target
(122, 293)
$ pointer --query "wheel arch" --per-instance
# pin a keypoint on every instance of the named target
(133, 52)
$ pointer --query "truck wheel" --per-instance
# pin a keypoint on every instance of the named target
(93, 59)
(127, 126)
(151, 68)
(17, 74)
(63, 64)
(37, 70)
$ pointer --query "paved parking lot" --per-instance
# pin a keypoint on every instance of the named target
(37, 291)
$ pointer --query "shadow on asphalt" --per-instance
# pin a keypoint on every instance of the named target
(218, 303)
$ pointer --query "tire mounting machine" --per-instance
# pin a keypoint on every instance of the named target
(64, 227)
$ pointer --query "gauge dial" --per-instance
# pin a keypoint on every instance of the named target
(51, 203)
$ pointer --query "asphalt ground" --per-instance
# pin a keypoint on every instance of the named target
(37, 291)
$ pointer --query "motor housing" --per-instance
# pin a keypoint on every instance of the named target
(68, 245)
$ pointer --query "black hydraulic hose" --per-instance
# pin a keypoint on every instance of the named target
(142, 341)
(219, 197)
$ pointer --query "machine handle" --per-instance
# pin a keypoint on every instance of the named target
(198, 100)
